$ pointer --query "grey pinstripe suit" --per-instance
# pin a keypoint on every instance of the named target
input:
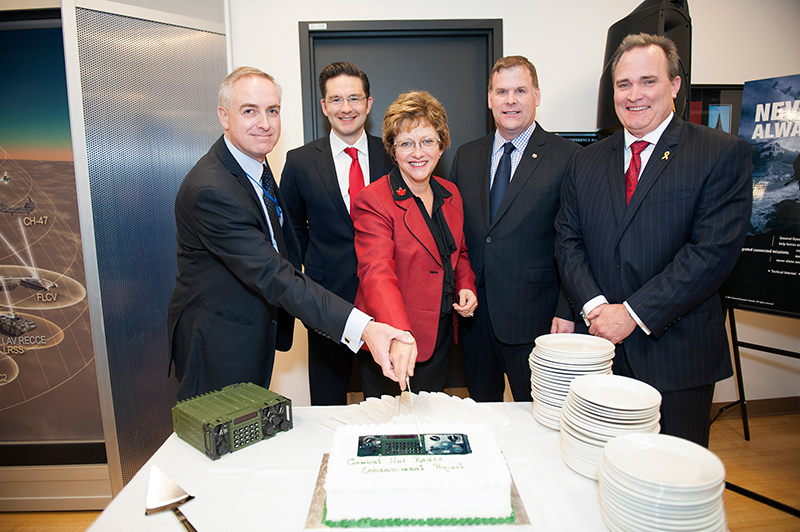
(667, 253)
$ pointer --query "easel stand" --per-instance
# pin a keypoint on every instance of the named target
(742, 401)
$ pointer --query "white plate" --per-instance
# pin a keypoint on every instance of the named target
(665, 461)
(576, 433)
(646, 521)
(545, 420)
(673, 498)
(579, 467)
(574, 343)
(546, 410)
(616, 391)
(568, 366)
(547, 396)
(602, 430)
(606, 415)
(652, 507)
(575, 361)
(551, 381)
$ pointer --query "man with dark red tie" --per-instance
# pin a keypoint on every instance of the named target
(652, 221)
(319, 182)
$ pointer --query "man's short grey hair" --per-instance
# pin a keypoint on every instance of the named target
(226, 88)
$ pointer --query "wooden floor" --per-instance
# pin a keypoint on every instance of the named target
(769, 464)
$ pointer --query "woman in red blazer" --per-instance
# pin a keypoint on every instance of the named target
(413, 268)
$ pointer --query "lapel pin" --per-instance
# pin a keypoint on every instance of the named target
(534, 155)
(665, 157)
(401, 191)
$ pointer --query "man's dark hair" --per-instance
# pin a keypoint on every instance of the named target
(645, 40)
(342, 68)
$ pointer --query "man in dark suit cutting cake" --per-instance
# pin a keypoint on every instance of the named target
(238, 286)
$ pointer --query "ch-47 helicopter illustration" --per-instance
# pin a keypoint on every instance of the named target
(27, 208)
(33, 281)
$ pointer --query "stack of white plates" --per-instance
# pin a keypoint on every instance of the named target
(599, 408)
(555, 361)
(660, 482)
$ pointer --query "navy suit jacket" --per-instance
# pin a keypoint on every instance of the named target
(319, 215)
(233, 289)
(667, 252)
(513, 254)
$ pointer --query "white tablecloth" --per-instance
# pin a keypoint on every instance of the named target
(269, 486)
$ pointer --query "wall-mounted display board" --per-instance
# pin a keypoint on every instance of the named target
(767, 276)
(49, 402)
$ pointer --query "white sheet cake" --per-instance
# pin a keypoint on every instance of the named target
(417, 489)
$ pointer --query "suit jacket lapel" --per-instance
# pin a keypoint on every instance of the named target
(616, 177)
(377, 158)
(323, 161)
(290, 239)
(412, 218)
(663, 153)
(483, 171)
(419, 229)
(239, 174)
(534, 151)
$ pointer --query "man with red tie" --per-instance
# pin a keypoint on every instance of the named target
(652, 221)
(319, 182)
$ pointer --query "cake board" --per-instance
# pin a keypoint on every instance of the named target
(314, 520)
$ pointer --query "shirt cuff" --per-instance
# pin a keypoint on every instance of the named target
(590, 305)
(354, 328)
(639, 322)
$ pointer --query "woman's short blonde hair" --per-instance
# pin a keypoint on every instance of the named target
(411, 109)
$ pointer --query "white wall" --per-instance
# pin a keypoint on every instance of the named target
(733, 41)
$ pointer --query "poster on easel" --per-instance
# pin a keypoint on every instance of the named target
(767, 276)
(48, 381)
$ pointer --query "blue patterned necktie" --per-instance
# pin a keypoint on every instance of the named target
(268, 182)
(501, 179)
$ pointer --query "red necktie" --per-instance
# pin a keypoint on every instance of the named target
(356, 176)
(632, 174)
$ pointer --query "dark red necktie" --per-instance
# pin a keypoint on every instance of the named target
(632, 174)
(356, 176)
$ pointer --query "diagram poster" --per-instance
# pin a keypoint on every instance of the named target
(48, 380)
(767, 276)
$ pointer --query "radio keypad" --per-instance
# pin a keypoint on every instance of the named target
(246, 435)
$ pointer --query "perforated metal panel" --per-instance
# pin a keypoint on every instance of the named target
(149, 100)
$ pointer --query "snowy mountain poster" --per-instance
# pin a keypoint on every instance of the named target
(767, 276)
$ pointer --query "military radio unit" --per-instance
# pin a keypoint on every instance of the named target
(232, 418)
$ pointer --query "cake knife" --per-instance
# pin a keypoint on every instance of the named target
(413, 410)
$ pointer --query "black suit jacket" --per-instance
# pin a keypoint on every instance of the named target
(513, 255)
(319, 215)
(667, 252)
(232, 286)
